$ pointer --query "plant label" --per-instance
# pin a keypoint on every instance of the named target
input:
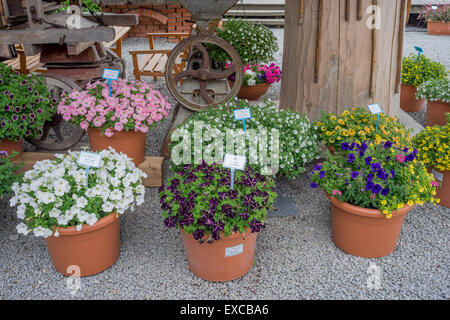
(434, 8)
(438, 176)
(234, 251)
(375, 109)
(234, 162)
(420, 50)
(111, 74)
(89, 159)
(242, 114)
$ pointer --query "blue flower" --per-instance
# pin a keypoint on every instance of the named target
(376, 189)
(351, 158)
(355, 174)
(318, 167)
(368, 160)
(385, 192)
(314, 185)
(322, 174)
(369, 177)
(387, 144)
(393, 173)
(375, 167)
(345, 146)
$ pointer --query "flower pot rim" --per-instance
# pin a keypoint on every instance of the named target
(233, 235)
(364, 212)
(101, 223)
(265, 84)
(438, 21)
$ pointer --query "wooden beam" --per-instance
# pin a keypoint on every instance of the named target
(318, 41)
(373, 58)
(301, 12)
(359, 10)
(401, 30)
(347, 10)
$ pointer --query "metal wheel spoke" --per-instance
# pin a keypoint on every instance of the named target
(204, 92)
(222, 75)
(184, 74)
(205, 55)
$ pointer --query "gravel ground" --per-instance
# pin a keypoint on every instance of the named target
(295, 257)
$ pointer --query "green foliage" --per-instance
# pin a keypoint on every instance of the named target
(416, 70)
(25, 104)
(433, 144)
(255, 43)
(8, 172)
(435, 90)
(88, 5)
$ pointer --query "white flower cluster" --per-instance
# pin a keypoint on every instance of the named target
(54, 192)
(435, 90)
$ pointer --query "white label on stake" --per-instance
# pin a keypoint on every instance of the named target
(438, 176)
(232, 161)
(434, 7)
(111, 74)
(89, 159)
(234, 251)
(375, 108)
(242, 114)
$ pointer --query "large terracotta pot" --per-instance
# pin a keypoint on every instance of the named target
(10, 146)
(131, 143)
(443, 192)
(93, 249)
(408, 100)
(252, 93)
(436, 111)
(438, 28)
(365, 232)
(209, 261)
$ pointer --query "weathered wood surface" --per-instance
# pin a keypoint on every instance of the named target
(152, 166)
(355, 66)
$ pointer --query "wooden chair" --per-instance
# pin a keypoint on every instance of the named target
(25, 64)
(117, 41)
(152, 63)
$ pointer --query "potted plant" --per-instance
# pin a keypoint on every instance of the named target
(437, 94)
(25, 105)
(120, 120)
(357, 125)
(438, 20)
(8, 172)
(415, 71)
(257, 80)
(255, 43)
(219, 225)
(371, 187)
(433, 144)
(79, 219)
(296, 147)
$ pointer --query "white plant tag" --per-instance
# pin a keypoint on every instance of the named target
(242, 114)
(111, 74)
(438, 176)
(232, 161)
(89, 159)
(234, 251)
(375, 108)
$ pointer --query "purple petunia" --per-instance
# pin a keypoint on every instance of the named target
(368, 160)
(314, 185)
(198, 234)
(255, 225)
(321, 174)
(170, 222)
(351, 158)
(376, 189)
(355, 174)
(345, 146)
(385, 192)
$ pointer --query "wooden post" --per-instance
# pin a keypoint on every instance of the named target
(333, 61)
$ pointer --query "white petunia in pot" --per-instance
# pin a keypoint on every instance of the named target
(79, 219)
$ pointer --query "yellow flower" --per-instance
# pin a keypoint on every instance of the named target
(333, 118)
(329, 133)
(367, 129)
(385, 211)
(389, 215)
(341, 122)
(345, 113)
(400, 205)
(352, 132)
(383, 202)
(323, 128)
(438, 200)
(410, 203)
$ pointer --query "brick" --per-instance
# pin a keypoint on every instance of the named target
(168, 11)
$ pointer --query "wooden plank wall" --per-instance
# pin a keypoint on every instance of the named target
(340, 63)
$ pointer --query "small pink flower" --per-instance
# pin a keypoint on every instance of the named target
(372, 196)
(84, 125)
(434, 183)
(109, 133)
(336, 192)
(118, 126)
(400, 158)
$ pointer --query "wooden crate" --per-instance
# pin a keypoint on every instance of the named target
(152, 166)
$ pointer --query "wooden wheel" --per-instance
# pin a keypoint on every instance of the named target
(58, 135)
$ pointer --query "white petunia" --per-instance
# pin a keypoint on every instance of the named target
(22, 229)
(21, 211)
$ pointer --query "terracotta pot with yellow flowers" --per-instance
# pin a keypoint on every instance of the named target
(433, 145)
(371, 188)
(415, 71)
(357, 125)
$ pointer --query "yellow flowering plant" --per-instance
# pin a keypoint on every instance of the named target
(433, 145)
(418, 69)
(358, 124)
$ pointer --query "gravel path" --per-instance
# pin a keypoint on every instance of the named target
(295, 257)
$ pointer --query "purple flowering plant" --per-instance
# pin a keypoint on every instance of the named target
(25, 105)
(375, 176)
(199, 200)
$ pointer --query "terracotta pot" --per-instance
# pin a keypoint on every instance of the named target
(408, 100)
(208, 261)
(435, 113)
(438, 28)
(365, 232)
(252, 93)
(93, 249)
(131, 143)
(10, 146)
(442, 192)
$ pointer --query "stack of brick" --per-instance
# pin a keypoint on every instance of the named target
(155, 18)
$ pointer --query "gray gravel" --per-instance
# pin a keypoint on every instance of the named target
(295, 256)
